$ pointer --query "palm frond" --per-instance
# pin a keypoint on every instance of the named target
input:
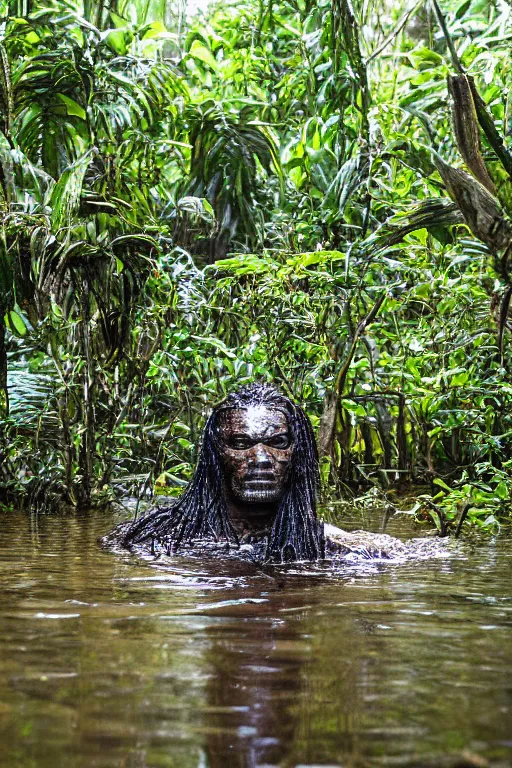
(431, 213)
(65, 196)
(6, 96)
(30, 399)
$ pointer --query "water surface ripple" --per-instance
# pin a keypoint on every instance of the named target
(109, 661)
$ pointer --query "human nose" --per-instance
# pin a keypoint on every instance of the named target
(260, 457)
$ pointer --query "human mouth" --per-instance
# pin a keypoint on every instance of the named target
(260, 478)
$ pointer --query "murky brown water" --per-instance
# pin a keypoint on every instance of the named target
(109, 661)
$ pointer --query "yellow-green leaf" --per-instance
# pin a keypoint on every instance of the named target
(200, 52)
(16, 323)
(72, 108)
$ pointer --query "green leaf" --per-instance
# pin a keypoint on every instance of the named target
(424, 58)
(315, 257)
(157, 31)
(217, 344)
(119, 22)
(201, 53)
(441, 484)
(65, 196)
(16, 323)
(199, 206)
(117, 40)
(435, 517)
(459, 379)
(245, 264)
(72, 107)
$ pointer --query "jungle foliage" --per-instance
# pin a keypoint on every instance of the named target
(312, 192)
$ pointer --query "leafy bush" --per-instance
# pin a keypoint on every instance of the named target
(273, 192)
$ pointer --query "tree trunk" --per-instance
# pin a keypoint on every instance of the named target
(327, 424)
(328, 419)
(401, 437)
(4, 393)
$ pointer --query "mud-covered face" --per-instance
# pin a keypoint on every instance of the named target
(256, 449)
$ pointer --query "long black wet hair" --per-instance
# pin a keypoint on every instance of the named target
(201, 511)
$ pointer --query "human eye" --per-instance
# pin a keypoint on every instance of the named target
(239, 442)
(279, 441)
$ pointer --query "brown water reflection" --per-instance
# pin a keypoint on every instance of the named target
(109, 661)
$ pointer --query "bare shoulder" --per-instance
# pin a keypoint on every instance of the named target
(366, 544)
(363, 543)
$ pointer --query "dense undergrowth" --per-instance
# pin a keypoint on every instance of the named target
(266, 191)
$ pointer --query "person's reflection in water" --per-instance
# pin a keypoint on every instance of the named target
(271, 692)
(254, 490)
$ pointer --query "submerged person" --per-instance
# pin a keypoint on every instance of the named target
(255, 489)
